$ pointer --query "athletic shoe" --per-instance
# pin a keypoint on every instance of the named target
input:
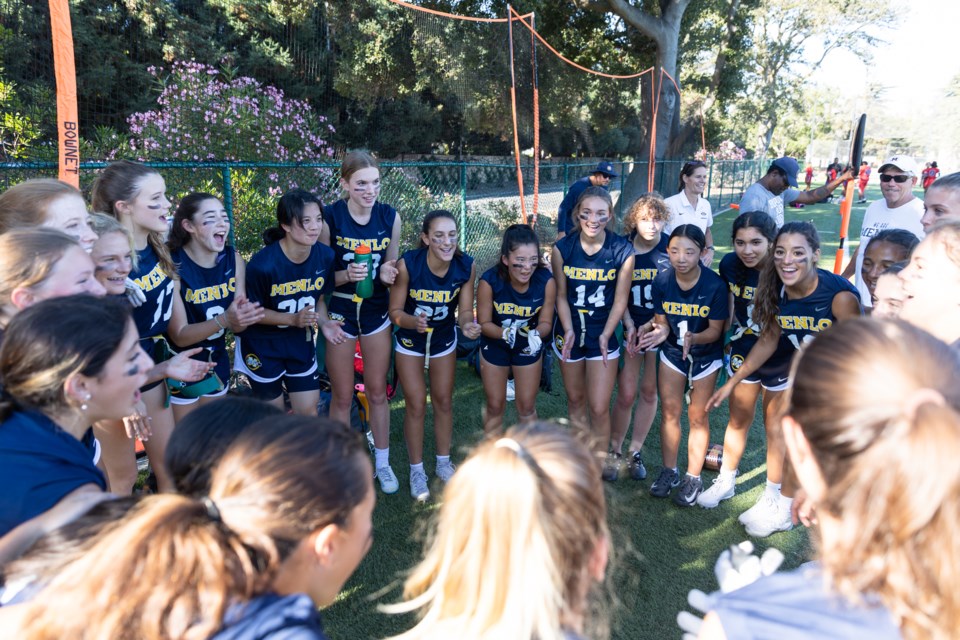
(388, 480)
(637, 470)
(723, 488)
(664, 483)
(418, 486)
(611, 467)
(774, 517)
(758, 508)
(445, 471)
(690, 488)
(511, 390)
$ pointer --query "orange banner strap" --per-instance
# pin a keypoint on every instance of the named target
(513, 108)
(407, 5)
(65, 70)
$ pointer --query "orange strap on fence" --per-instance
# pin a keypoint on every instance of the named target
(65, 70)
(536, 126)
(407, 5)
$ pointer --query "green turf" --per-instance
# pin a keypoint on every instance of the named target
(660, 551)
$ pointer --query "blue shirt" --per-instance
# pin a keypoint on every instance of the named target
(273, 617)
(207, 293)
(795, 605)
(564, 222)
(153, 316)
(40, 463)
(512, 308)
(801, 319)
(346, 235)
(646, 267)
(592, 280)
(430, 294)
(691, 311)
(287, 287)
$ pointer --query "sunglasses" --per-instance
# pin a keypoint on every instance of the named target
(899, 179)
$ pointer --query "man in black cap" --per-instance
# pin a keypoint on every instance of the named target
(778, 188)
(599, 178)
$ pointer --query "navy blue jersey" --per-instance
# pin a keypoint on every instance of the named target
(284, 286)
(802, 318)
(153, 316)
(592, 280)
(432, 295)
(646, 267)
(691, 311)
(512, 308)
(206, 293)
(742, 282)
(346, 235)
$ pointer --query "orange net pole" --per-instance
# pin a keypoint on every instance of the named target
(65, 71)
(513, 107)
(536, 125)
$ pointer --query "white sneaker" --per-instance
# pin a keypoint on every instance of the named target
(388, 480)
(723, 488)
(418, 486)
(774, 517)
(761, 506)
(445, 471)
(511, 390)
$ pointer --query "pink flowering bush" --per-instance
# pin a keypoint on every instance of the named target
(726, 151)
(203, 116)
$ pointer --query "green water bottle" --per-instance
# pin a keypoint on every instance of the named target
(362, 255)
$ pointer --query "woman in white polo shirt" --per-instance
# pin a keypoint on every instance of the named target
(690, 207)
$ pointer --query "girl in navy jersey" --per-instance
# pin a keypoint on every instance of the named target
(360, 219)
(690, 308)
(754, 233)
(794, 302)
(136, 196)
(212, 287)
(515, 301)
(643, 228)
(434, 284)
(289, 279)
(593, 269)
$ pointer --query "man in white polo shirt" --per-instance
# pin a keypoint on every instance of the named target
(899, 209)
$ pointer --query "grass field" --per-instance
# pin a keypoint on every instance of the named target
(661, 551)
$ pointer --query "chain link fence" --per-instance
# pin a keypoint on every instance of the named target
(484, 196)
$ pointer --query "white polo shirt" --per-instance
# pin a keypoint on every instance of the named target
(682, 212)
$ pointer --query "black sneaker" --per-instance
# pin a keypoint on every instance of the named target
(637, 470)
(664, 483)
(690, 488)
(611, 467)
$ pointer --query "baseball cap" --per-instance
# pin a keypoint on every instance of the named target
(790, 167)
(904, 163)
(606, 168)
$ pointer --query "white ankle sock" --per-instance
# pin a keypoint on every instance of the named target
(416, 467)
(382, 457)
(443, 460)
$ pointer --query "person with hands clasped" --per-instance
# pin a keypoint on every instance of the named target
(593, 269)
(356, 221)
(643, 229)
(289, 278)
(515, 303)
(795, 301)
(433, 292)
(690, 308)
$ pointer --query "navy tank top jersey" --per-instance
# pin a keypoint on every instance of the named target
(281, 285)
(691, 311)
(801, 319)
(592, 280)
(742, 282)
(153, 316)
(207, 292)
(432, 295)
(346, 235)
(512, 308)
(646, 267)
